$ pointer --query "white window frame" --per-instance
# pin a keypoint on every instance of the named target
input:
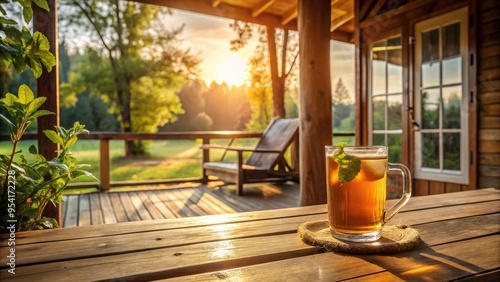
(452, 176)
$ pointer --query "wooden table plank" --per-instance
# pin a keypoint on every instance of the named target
(445, 262)
(264, 245)
(220, 255)
(138, 242)
(416, 203)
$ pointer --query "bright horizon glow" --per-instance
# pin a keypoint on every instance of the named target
(232, 70)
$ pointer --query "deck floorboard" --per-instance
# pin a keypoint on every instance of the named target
(171, 202)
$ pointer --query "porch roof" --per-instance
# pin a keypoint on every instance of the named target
(275, 13)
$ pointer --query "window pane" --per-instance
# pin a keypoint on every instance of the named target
(430, 109)
(430, 74)
(395, 73)
(378, 112)
(451, 151)
(430, 45)
(394, 105)
(394, 144)
(452, 106)
(379, 139)
(378, 77)
(451, 40)
(430, 150)
(452, 70)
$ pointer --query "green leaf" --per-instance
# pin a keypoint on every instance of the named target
(25, 94)
(9, 123)
(348, 167)
(36, 103)
(41, 113)
(349, 172)
(27, 11)
(52, 135)
(32, 149)
(42, 4)
(4, 20)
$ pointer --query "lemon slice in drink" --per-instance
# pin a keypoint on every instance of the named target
(373, 169)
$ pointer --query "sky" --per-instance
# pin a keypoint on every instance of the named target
(210, 36)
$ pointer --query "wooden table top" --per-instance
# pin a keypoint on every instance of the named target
(460, 233)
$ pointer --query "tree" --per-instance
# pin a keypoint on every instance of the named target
(341, 105)
(133, 60)
(282, 48)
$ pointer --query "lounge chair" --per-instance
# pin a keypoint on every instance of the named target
(266, 162)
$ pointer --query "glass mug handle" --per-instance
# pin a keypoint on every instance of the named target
(392, 211)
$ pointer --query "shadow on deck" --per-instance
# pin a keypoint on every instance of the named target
(172, 202)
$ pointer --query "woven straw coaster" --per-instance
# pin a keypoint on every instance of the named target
(394, 239)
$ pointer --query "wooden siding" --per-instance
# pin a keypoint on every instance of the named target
(148, 204)
(488, 85)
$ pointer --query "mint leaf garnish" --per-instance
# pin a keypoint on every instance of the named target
(349, 167)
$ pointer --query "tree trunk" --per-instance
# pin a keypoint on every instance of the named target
(278, 82)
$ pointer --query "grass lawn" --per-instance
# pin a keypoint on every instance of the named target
(167, 159)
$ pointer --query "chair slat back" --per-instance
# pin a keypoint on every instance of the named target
(278, 135)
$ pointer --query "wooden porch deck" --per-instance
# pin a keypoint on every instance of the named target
(171, 202)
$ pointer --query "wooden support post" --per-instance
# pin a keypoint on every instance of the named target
(315, 98)
(205, 159)
(48, 86)
(105, 165)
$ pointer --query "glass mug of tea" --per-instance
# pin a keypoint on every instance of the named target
(356, 191)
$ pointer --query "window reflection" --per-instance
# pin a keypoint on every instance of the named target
(452, 105)
(430, 109)
(430, 155)
(451, 40)
(387, 95)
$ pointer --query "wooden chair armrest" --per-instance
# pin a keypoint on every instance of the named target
(239, 149)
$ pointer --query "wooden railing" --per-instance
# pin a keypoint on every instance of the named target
(104, 138)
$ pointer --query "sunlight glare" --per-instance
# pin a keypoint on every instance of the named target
(233, 70)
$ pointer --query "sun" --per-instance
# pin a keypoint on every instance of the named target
(232, 70)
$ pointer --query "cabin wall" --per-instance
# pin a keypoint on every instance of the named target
(488, 86)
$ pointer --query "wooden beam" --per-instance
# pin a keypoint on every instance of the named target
(261, 7)
(216, 3)
(48, 86)
(289, 15)
(338, 22)
(315, 98)
(374, 10)
(223, 10)
(339, 3)
(394, 12)
(363, 11)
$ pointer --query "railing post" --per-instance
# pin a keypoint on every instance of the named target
(104, 165)
(205, 158)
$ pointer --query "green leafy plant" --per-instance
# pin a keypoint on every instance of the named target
(349, 167)
(27, 187)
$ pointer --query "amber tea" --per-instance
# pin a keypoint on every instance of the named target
(356, 182)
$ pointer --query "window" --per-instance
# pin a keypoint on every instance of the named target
(387, 96)
(441, 106)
